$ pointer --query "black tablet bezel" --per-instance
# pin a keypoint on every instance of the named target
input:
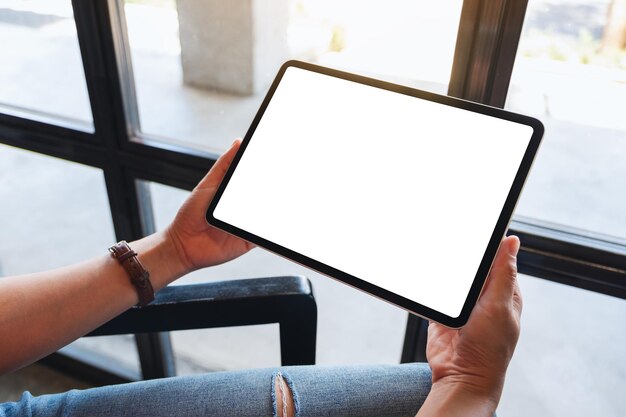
(405, 303)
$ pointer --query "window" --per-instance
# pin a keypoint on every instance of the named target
(568, 359)
(55, 213)
(570, 74)
(200, 85)
(159, 120)
(48, 198)
(42, 73)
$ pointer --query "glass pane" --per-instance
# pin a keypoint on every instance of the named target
(569, 360)
(53, 201)
(42, 72)
(352, 327)
(570, 72)
(202, 69)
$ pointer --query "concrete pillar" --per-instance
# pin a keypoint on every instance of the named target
(232, 46)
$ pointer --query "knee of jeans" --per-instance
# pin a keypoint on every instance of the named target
(284, 396)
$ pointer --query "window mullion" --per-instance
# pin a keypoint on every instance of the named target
(97, 50)
(94, 24)
(489, 32)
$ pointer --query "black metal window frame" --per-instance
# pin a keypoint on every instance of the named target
(488, 35)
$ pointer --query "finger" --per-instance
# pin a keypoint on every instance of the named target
(217, 172)
(503, 276)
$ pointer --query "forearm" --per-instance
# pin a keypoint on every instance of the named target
(452, 400)
(41, 312)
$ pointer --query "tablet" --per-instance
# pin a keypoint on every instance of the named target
(398, 192)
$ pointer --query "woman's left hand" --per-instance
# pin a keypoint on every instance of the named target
(197, 243)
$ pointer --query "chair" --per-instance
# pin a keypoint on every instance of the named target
(286, 300)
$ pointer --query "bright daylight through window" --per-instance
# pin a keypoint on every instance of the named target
(570, 72)
(200, 85)
(41, 75)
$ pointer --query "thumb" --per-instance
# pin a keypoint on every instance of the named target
(503, 274)
(217, 172)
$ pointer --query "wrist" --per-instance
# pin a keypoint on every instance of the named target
(479, 384)
(160, 257)
(459, 398)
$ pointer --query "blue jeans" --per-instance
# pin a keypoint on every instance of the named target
(386, 390)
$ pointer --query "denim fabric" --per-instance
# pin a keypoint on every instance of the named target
(386, 390)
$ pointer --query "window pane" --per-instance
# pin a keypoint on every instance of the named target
(570, 72)
(353, 327)
(55, 213)
(202, 69)
(569, 360)
(42, 75)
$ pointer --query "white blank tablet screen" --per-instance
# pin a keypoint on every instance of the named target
(395, 190)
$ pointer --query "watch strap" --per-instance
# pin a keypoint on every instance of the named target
(139, 277)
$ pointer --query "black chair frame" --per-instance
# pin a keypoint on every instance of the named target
(286, 300)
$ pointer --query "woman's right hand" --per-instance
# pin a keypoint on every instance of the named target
(469, 364)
